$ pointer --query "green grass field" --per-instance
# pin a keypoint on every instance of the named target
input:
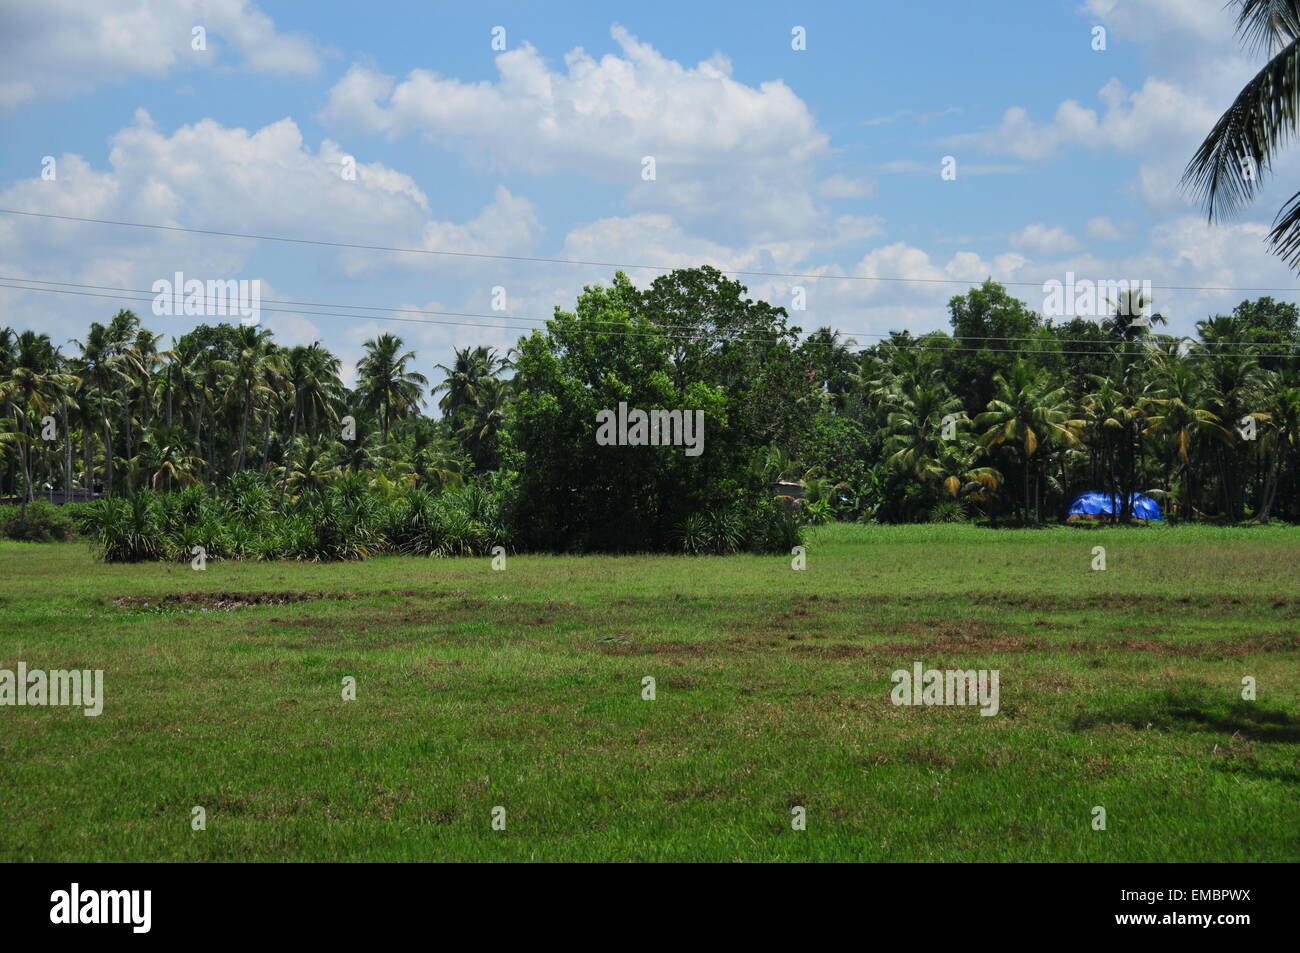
(523, 689)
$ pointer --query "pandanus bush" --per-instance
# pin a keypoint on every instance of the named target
(126, 529)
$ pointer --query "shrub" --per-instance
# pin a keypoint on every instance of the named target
(771, 528)
(126, 529)
(42, 523)
(248, 497)
(693, 535)
(462, 522)
(348, 520)
(724, 531)
(766, 527)
(818, 512)
(949, 511)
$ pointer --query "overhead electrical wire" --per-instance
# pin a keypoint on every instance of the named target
(589, 263)
(941, 345)
(519, 317)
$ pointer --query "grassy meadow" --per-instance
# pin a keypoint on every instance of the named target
(523, 689)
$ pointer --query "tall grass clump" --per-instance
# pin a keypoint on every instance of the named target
(126, 529)
(766, 527)
(349, 519)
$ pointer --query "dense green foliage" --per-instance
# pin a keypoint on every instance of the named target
(250, 520)
(1005, 420)
(691, 342)
(40, 522)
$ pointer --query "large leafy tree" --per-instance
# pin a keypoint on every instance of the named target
(728, 356)
(990, 327)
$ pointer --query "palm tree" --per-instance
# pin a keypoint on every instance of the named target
(255, 379)
(1181, 415)
(484, 421)
(916, 424)
(1225, 171)
(1130, 318)
(1282, 435)
(1116, 421)
(433, 460)
(124, 331)
(34, 388)
(1234, 383)
(100, 367)
(471, 367)
(385, 386)
(1028, 413)
(832, 364)
(957, 473)
(308, 468)
(313, 373)
(777, 466)
(163, 458)
(144, 349)
(367, 452)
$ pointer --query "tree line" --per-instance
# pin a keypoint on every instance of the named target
(1004, 418)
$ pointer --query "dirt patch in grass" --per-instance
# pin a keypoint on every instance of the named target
(830, 651)
(957, 635)
(222, 601)
(1228, 648)
(991, 643)
(961, 630)
(1207, 604)
(690, 649)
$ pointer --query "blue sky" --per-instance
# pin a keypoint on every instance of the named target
(818, 161)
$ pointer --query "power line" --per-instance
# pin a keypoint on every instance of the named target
(598, 264)
(919, 346)
(311, 304)
(517, 317)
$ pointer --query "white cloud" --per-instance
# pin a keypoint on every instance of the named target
(1168, 30)
(1188, 254)
(1157, 115)
(718, 144)
(59, 47)
(601, 116)
(1102, 229)
(1197, 66)
(963, 168)
(1042, 240)
(209, 176)
(839, 186)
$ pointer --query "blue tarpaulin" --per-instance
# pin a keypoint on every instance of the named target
(1106, 504)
